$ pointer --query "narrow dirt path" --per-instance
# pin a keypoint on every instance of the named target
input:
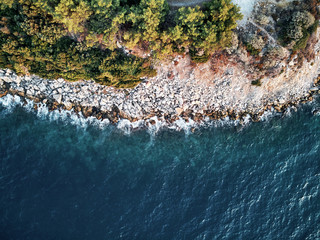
(271, 39)
(185, 3)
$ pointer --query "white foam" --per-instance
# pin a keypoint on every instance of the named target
(304, 199)
(155, 128)
(70, 117)
(29, 106)
(227, 122)
(125, 126)
(290, 110)
(10, 102)
(43, 111)
(183, 125)
(267, 115)
(247, 119)
(73, 118)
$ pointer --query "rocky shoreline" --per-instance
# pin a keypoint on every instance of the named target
(181, 90)
(103, 102)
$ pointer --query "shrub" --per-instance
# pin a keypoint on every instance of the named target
(276, 52)
(256, 82)
(254, 41)
(252, 50)
(298, 29)
(78, 39)
(294, 31)
(304, 19)
(200, 59)
(302, 42)
(234, 43)
(273, 55)
(262, 20)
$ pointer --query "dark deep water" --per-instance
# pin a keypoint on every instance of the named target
(62, 181)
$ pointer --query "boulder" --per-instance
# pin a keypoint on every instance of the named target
(314, 89)
(57, 97)
(18, 80)
(42, 87)
(179, 111)
(30, 92)
(68, 105)
(316, 111)
(2, 94)
(7, 79)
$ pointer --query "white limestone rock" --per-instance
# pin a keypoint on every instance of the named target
(57, 97)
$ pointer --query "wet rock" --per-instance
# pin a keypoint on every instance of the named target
(316, 111)
(197, 117)
(152, 122)
(314, 89)
(99, 116)
(255, 118)
(4, 93)
(36, 100)
(86, 111)
(68, 105)
(52, 105)
(278, 108)
(77, 108)
(21, 93)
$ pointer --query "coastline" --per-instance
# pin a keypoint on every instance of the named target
(180, 90)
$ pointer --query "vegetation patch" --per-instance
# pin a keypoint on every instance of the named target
(199, 57)
(297, 25)
(256, 82)
(80, 39)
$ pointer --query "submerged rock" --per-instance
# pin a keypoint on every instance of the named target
(316, 111)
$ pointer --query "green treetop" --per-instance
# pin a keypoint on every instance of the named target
(79, 39)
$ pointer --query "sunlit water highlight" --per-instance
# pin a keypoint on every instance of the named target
(64, 177)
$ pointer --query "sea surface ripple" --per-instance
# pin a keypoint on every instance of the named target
(60, 180)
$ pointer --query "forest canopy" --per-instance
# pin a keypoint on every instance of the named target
(83, 39)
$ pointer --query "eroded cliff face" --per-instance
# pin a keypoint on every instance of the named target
(185, 3)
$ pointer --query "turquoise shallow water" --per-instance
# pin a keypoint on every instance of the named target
(62, 181)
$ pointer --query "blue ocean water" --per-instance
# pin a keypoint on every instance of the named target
(59, 180)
